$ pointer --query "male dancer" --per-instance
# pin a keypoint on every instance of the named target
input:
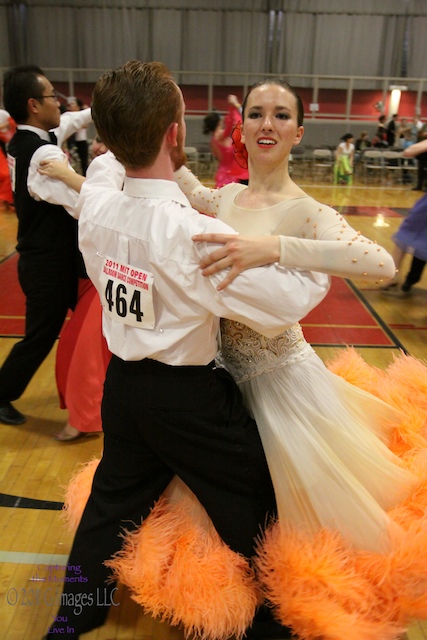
(49, 261)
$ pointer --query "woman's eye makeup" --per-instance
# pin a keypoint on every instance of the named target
(281, 115)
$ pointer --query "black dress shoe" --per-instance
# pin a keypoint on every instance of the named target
(10, 415)
(406, 287)
(269, 631)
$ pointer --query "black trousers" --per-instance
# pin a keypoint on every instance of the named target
(50, 289)
(83, 153)
(415, 272)
(160, 421)
(421, 170)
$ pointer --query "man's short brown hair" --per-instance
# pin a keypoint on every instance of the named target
(132, 108)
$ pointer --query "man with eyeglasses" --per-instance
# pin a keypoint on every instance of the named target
(49, 261)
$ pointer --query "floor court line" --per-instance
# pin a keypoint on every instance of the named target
(8, 500)
(384, 326)
(24, 557)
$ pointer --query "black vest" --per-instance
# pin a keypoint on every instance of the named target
(44, 230)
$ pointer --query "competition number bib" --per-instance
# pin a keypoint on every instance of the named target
(11, 163)
(127, 294)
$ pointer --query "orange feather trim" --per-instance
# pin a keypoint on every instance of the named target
(322, 588)
(184, 573)
(348, 364)
(402, 385)
(77, 493)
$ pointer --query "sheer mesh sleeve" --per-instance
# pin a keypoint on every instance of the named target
(342, 251)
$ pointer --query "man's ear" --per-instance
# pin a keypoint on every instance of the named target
(172, 134)
(32, 105)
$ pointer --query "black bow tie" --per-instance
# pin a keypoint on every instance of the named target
(53, 138)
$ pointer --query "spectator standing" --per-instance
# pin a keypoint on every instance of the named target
(344, 160)
(419, 151)
(392, 130)
(380, 138)
(79, 139)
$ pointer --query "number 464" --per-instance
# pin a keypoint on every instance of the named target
(119, 301)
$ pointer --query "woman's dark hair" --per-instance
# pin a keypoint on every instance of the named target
(211, 122)
(347, 136)
(280, 83)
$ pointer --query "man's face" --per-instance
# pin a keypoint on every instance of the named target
(48, 113)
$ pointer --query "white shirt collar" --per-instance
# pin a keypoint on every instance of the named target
(44, 135)
(150, 188)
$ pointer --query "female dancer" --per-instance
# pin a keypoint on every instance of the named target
(411, 235)
(221, 144)
(82, 355)
(347, 555)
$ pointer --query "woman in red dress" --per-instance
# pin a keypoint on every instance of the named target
(229, 170)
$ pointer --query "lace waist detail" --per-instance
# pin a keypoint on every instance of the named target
(246, 353)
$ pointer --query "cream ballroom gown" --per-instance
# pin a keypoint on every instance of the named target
(347, 556)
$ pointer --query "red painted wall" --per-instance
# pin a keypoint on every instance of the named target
(331, 101)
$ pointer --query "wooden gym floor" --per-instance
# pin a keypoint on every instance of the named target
(34, 467)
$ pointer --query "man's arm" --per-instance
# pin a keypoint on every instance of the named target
(72, 121)
(271, 299)
(43, 187)
(268, 299)
(63, 171)
(106, 171)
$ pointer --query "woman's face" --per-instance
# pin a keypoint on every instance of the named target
(270, 128)
(98, 147)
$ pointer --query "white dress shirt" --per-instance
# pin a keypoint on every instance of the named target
(49, 189)
(72, 121)
(148, 228)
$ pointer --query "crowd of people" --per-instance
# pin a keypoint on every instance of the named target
(394, 135)
(252, 435)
